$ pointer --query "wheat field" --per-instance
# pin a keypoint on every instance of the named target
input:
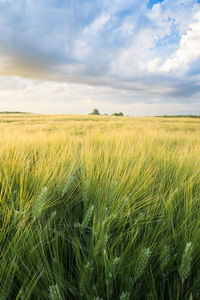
(99, 207)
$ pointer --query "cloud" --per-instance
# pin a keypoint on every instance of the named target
(189, 48)
(142, 52)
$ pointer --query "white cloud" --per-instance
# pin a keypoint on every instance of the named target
(189, 49)
(96, 25)
(152, 65)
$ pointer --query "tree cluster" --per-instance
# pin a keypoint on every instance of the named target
(120, 114)
(96, 112)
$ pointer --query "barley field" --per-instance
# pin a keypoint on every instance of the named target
(99, 207)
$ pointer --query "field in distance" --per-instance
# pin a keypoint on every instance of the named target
(99, 207)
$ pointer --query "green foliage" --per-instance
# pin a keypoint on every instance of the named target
(39, 203)
(185, 267)
(125, 296)
(142, 263)
(164, 258)
(120, 114)
(54, 293)
(95, 112)
(87, 217)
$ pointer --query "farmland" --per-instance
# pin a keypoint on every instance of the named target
(99, 207)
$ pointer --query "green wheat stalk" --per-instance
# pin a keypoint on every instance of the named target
(185, 267)
(87, 217)
(54, 292)
(142, 263)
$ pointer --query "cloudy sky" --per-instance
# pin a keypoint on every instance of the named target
(141, 57)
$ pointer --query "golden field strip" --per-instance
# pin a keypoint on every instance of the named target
(99, 207)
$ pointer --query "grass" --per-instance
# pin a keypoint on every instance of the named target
(98, 207)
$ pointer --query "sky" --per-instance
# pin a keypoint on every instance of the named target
(141, 57)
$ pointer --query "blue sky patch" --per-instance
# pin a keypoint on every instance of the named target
(151, 3)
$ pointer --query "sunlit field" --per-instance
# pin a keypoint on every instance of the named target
(99, 207)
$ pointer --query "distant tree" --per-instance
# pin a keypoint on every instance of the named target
(95, 112)
(120, 114)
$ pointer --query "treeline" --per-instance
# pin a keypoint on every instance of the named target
(96, 112)
(14, 112)
(179, 116)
